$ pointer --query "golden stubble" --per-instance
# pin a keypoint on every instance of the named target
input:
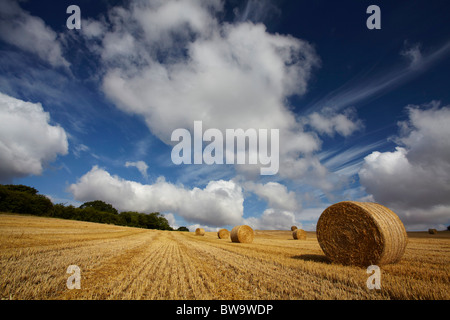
(132, 263)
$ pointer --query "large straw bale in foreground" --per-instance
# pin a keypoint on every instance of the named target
(299, 234)
(242, 234)
(199, 232)
(361, 233)
(223, 234)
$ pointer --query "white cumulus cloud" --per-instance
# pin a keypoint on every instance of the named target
(275, 194)
(414, 180)
(274, 219)
(219, 203)
(176, 62)
(282, 206)
(28, 142)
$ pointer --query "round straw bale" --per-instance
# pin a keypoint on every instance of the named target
(223, 234)
(299, 234)
(199, 232)
(242, 234)
(361, 233)
(432, 231)
(293, 228)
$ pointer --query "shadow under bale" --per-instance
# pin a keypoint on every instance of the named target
(313, 257)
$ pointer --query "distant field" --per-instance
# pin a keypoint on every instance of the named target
(131, 263)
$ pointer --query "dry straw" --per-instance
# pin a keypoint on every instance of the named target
(432, 231)
(199, 232)
(242, 234)
(293, 228)
(361, 233)
(223, 234)
(299, 234)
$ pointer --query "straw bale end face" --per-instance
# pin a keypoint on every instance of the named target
(199, 232)
(361, 233)
(242, 234)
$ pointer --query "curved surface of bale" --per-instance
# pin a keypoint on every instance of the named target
(294, 228)
(299, 234)
(361, 233)
(223, 234)
(242, 234)
(199, 232)
(432, 231)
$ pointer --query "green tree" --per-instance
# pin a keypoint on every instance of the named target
(21, 188)
(93, 215)
(130, 218)
(41, 205)
(100, 206)
(156, 221)
(23, 199)
(183, 229)
(152, 220)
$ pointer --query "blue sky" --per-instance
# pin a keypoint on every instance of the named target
(362, 114)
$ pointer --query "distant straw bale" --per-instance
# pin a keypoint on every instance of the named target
(293, 228)
(299, 234)
(199, 232)
(361, 233)
(223, 234)
(242, 234)
(432, 231)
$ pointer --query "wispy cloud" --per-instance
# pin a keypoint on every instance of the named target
(78, 149)
(140, 165)
(256, 11)
(358, 90)
(30, 33)
(348, 161)
(413, 54)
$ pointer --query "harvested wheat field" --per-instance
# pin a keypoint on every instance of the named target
(130, 263)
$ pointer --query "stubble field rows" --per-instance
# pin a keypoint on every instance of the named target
(132, 263)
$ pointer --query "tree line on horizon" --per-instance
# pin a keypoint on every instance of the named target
(26, 200)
